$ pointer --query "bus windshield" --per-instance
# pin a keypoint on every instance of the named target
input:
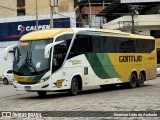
(29, 58)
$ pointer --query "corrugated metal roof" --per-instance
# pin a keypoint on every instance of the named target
(118, 9)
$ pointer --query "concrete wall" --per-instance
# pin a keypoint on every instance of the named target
(8, 8)
(138, 1)
(44, 8)
(41, 17)
(145, 30)
(143, 23)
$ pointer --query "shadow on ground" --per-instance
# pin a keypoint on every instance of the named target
(54, 95)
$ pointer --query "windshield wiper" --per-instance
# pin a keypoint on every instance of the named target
(30, 61)
(28, 65)
(27, 58)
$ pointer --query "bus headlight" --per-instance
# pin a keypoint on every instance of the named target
(44, 79)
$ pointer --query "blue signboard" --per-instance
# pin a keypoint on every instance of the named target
(12, 31)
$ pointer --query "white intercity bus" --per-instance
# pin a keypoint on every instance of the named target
(70, 59)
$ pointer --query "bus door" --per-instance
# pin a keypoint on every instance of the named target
(57, 61)
(59, 54)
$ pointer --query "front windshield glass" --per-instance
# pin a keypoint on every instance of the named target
(29, 58)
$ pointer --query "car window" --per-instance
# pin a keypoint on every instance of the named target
(158, 65)
(9, 71)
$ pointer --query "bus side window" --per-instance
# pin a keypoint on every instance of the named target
(82, 44)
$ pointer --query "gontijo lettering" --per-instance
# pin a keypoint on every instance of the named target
(130, 58)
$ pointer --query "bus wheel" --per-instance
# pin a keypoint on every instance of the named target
(42, 93)
(74, 87)
(133, 81)
(141, 80)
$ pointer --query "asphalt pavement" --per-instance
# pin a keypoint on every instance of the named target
(146, 98)
(8, 90)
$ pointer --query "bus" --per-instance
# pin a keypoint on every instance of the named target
(158, 50)
(69, 59)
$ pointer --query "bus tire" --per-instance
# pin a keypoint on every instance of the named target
(74, 87)
(42, 93)
(133, 81)
(141, 80)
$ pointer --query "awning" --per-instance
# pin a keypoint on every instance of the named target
(119, 9)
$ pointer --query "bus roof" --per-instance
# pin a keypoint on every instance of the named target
(44, 34)
(51, 33)
(118, 33)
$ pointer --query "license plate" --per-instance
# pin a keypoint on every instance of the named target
(27, 87)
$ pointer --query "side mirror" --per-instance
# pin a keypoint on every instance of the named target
(49, 46)
(6, 50)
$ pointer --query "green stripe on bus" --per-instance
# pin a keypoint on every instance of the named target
(96, 65)
(35, 78)
(107, 65)
(102, 65)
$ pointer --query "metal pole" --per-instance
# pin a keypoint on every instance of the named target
(133, 30)
(51, 17)
(102, 18)
(90, 14)
(103, 8)
(36, 16)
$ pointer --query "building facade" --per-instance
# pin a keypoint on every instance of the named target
(9, 8)
(44, 7)
(86, 11)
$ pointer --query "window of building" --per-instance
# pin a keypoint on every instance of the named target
(20, 3)
(155, 33)
(20, 12)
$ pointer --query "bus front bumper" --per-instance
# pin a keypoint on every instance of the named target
(34, 87)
